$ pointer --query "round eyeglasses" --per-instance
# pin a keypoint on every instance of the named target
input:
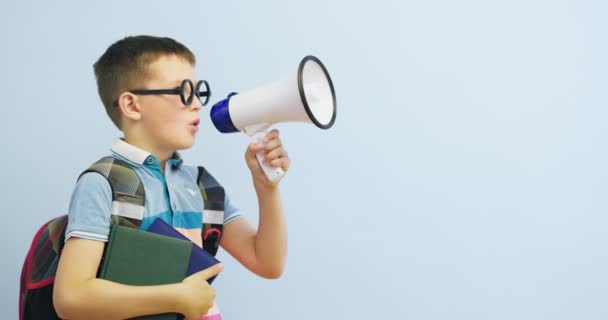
(187, 91)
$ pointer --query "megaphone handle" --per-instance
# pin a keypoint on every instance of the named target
(274, 174)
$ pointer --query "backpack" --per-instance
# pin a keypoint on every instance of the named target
(128, 199)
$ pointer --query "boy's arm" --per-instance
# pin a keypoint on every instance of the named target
(263, 251)
(78, 294)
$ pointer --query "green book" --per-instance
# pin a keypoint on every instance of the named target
(140, 258)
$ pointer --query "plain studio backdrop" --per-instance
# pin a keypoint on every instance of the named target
(465, 176)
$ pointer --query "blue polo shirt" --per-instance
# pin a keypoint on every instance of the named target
(173, 197)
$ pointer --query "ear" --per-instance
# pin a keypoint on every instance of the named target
(127, 102)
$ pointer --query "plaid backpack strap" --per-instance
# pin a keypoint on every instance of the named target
(128, 195)
(213, 211)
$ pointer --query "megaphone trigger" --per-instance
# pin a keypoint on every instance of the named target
(257, 134)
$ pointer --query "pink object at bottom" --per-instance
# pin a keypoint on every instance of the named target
(212, 317)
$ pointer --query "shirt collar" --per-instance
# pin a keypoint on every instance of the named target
(140, 156)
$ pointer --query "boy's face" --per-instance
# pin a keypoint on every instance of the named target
(168, 123)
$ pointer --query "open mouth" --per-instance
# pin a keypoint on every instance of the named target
(194, 125)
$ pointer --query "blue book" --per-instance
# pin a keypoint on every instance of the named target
(199, 258)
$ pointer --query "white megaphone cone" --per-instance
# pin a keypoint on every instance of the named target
(307, 96)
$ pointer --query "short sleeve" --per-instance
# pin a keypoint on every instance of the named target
(231, 212)
(89, 211)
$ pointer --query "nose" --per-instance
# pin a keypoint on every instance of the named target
(196, 104)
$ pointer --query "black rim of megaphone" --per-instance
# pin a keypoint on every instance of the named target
(303, 96)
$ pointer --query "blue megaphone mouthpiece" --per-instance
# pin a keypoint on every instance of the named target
(220, 116)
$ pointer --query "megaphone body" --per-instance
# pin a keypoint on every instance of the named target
(308, 96)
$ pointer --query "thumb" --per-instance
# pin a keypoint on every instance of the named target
(210, 272)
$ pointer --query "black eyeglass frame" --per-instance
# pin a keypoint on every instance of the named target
(181, 91)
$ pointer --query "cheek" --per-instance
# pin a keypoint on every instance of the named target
(169, 126)
(165, 115)
(174, 124)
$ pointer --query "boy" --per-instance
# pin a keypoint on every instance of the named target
(155, 126)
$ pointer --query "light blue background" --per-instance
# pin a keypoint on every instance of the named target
(465, 177)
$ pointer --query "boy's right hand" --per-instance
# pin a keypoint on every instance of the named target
(197, 296)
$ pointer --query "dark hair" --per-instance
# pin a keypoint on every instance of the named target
(125, 65)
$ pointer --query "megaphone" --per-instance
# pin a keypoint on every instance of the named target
(307, 96)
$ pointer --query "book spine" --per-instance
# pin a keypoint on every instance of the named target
(108, 250)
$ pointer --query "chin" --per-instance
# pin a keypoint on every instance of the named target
(184, 144)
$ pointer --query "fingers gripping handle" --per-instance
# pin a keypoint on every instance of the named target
(257, 134)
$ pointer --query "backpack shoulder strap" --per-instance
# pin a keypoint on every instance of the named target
(128, 194)
(213, 211)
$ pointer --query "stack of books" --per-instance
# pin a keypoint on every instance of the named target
(160, 255)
